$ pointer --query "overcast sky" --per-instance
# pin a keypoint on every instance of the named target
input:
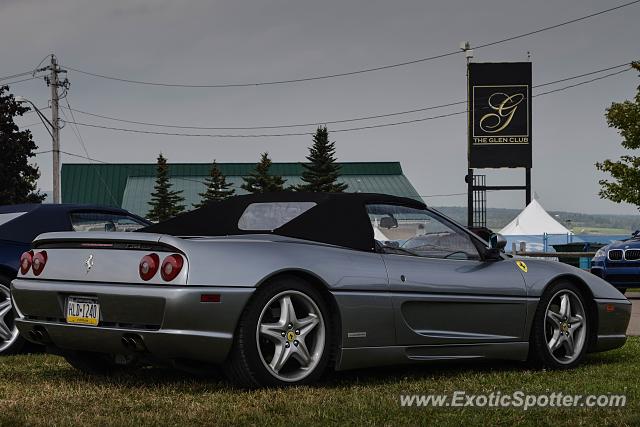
(238, 41)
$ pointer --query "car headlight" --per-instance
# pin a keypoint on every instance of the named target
(601, 253)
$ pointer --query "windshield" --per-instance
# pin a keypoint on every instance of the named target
(417, 232)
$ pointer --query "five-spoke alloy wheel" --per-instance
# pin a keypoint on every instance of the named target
(10, 340)
(284, 336)
(561, 327)
(291, 346)
(564, 326)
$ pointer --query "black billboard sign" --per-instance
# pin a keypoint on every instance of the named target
(500, 115)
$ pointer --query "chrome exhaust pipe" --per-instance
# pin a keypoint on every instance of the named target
(39, 335)
(133, 342)
(127, 343)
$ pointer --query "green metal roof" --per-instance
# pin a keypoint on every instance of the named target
(130, 185)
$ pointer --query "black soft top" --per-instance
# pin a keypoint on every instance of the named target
(44, 218)
(337, 219)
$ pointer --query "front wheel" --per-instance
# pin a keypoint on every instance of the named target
(561, 327)
(10, 340)
(284, 336)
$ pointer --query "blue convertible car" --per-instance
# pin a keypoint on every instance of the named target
(619, 263)
(20, 224)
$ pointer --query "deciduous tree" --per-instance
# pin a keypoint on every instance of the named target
(625, 186)
(18, 177)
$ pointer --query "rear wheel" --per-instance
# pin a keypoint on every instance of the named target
(284, 336)
(10, 340)
(561, 327)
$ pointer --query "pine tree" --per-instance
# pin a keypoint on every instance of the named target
(322, 172)
(259, 181)
(625, 117)
(19, 178)
(165, 203)
(217, 187)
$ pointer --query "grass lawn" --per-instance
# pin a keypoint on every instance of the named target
(44, 390)
(601, 230)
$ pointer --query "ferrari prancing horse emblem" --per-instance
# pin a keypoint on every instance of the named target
(89, 263)
(522, 266)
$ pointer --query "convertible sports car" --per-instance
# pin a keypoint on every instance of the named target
(280, 287)
(20, 224)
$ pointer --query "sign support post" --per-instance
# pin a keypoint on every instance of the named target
(499, 128)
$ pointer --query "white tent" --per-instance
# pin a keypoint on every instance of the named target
(534, 221)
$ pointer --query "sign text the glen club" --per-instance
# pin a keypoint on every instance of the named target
(500, 115)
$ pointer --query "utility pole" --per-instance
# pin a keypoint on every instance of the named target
(54, 82)
(468, 54)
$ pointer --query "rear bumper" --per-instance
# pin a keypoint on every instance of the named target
(613, 320)
(170, 321)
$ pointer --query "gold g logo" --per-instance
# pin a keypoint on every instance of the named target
(504, 107)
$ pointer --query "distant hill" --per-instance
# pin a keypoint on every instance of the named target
(580, 223)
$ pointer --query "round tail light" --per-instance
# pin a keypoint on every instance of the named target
(39, 261)
(149, 265)
(26, 259)
(171, 267)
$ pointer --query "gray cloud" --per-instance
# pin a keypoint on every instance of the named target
(236, 41)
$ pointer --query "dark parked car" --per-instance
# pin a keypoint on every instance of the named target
(20, 224)
(619, 263)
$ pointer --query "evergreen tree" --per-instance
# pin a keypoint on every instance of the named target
(259, 181)
(165, 203)
(322, 172)
(18, 178)
(624, 116)
(217, 187)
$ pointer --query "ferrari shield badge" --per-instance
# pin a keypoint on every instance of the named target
(522, 266)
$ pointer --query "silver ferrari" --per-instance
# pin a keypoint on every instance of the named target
(279, 288)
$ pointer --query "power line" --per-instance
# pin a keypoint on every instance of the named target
(328, 122)
(268, 135)
(356, 72)
(78, 135)
(15, 76)
(19, 81)
(134, 169)
(30, 124)
(584, 82)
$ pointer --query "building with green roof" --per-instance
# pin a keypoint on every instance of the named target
(129, 185)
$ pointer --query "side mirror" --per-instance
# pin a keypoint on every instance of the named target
(498, 241)
(388, 222)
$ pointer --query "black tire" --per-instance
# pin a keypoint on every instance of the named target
(91, 363)
(244, 365)
(539, 353)
(19, 343)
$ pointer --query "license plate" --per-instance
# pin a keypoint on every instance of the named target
(83, 311)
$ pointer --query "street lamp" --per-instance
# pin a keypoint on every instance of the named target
(53, 131)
